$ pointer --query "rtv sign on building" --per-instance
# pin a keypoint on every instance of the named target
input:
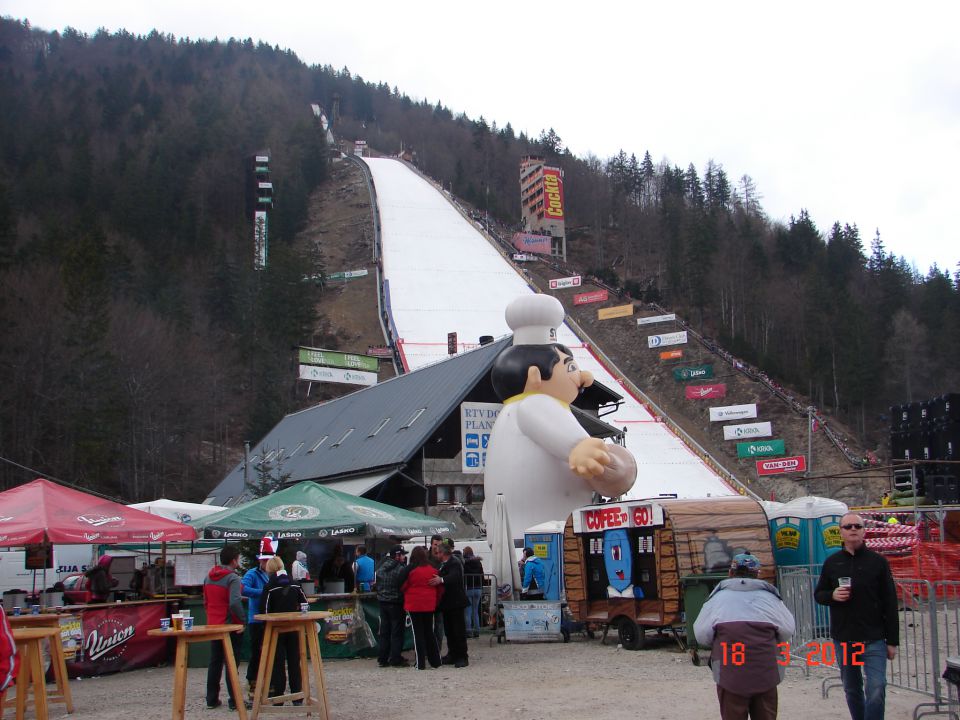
(541, 208)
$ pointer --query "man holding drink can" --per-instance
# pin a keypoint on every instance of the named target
(857, 585)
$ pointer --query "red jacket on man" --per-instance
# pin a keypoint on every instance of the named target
(418, 594)
(9, 660)
(221, 597)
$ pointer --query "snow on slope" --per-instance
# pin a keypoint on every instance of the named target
(444, 276)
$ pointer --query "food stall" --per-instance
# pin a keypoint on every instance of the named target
(309, 513)
(627, 564)
(105, 637)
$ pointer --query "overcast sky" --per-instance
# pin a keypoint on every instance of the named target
(848, 109)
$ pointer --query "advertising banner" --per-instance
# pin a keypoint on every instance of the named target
(671, 355)
(552, 194)
(476, 422)
(380, 351)
(700, 372)
(656, 319)
(260, 239)
(523, 257)
(739, 432)
(531, 243)
(348, 274)
(677, 338)
(314, 373)
(760, 449)
(617, 311)
(316, 356)
(115, 639)
(795, 463)
(733, 412)
(705, 392)
(534, 621)
(591, 297)
(566, 282)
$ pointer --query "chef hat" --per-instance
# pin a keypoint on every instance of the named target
(266, 549)
(534, 319)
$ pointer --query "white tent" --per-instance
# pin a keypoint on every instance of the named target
(175, 510)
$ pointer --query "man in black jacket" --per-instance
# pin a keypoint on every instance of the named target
(857, 585)
(390, 576)
(452, 603)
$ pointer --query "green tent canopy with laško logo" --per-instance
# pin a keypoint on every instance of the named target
(309, 510)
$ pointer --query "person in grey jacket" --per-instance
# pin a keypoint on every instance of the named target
(743, 621)
(390, 576)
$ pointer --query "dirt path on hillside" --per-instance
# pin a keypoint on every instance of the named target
(582, 679)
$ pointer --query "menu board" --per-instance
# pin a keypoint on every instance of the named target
(192, 569)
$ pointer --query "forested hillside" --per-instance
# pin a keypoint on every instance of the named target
(139, 344)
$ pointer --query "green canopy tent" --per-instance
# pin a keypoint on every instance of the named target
(308, 510)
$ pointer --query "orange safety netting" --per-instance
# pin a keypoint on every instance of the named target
(931, 561)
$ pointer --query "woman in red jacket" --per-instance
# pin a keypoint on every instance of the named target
(420, 600)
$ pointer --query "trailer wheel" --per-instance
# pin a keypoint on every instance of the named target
(630, 634)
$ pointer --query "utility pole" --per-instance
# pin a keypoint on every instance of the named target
(246, 465)
(809, 440)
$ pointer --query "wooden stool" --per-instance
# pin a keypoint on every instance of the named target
(304, 625)
(201, 633)
(57, 660)
(32, 677)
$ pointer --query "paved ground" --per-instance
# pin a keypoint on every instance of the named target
(582, 679)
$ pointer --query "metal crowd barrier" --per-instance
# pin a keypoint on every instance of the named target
(929, 616)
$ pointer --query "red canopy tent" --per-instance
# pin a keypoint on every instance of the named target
(44, 512)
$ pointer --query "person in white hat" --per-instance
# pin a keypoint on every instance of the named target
(538, 455)
(254, 581)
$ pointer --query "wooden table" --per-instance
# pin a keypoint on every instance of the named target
(201, 633)
(41, 620)
(29, 642)
(304, 625)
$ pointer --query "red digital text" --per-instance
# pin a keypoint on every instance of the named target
(814, 653)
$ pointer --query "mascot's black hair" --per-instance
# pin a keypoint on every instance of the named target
(509, 373)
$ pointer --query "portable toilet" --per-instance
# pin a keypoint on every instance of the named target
(806, 530)
(546, 541)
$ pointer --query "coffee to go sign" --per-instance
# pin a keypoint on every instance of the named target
(597, 518)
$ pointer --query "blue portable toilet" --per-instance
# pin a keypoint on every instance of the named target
(805, 531)
(546, 540)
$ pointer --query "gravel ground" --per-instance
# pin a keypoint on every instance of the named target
(582, 679)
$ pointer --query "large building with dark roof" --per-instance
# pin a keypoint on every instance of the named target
(397, 442)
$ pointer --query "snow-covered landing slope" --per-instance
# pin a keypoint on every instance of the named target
(444, 276)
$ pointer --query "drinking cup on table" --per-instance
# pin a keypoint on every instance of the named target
(188, 623)
(34, 609)
(304, 608)
(185, 613)
(16, 609)
(843, 582)
(176, 621)
(164, 624)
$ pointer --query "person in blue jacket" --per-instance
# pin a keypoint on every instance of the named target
(534, 582)
(254, 581)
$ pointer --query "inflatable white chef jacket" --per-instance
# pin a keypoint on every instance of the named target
(538, 455)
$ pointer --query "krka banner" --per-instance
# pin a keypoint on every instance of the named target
(700, 372)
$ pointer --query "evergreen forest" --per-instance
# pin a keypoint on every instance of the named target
(141, 347)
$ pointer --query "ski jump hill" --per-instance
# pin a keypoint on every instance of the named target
(441, 274)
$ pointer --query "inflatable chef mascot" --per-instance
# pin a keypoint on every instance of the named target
(538, 455)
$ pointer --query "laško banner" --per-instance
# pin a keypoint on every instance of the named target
(779, 466)
(700, 372)
(705, 392)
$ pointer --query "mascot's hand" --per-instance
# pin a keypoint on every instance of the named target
(588, 458)
(618, 476)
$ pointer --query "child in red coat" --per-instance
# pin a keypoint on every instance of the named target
(420, 600)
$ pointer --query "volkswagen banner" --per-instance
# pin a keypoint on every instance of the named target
(733, 412)
(796, 463)
(705, 392)
(677, 338)
(741, 432)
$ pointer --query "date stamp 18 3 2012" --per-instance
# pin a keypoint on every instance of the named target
(814, 653)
